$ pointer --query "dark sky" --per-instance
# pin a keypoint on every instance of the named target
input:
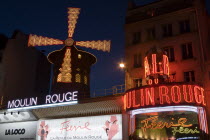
(98, 20)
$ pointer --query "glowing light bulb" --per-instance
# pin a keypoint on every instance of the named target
(122, 65)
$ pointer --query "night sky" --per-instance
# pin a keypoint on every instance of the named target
(98, 20)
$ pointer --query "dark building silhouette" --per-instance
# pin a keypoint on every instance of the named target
(25, 71)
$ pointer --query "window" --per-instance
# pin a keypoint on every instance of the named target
(77, 78)
(187, 51)
(137, 61)
(151, 34)
(170, 53)
(184, 26)
(85, 79)
(137, 82)
(136, 37)
(167, 30)
(172, 77)
(189, 76)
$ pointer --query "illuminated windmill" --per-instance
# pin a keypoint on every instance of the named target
(71, 65)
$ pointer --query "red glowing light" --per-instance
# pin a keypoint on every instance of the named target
(142, 97)
(134, 99)
(150, 96)
(178, 93)
(189, 93)
(146, 66)
(164, 94)
(154, 64)
(165, 65)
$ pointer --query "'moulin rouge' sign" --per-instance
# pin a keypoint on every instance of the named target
(168, 94)
(50, 100)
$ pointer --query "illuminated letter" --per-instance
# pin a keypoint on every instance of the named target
(146, 67)
(22, 102)
(198, 98)
(142, 97)
(34, 101)
(156, 81)
(134, 99)
(150, 96)
(74, 96)
(165, 65)
(47, 101)
(203, 97)
(68, 99)
(178, 94)
(59, 98)
(56, 98)
(190, 93)
(150, 82)
(154, 64)
(17, 103)
(128, 100)
(162, 94)
(125, 101)
(11, 104)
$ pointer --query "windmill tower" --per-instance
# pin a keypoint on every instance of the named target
(71, 65)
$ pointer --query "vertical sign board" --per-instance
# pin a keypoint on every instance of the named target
(107, 127)
(18, 131)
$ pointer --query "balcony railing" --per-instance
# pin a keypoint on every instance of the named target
(118, 89)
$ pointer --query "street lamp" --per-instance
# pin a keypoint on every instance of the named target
(122, 65)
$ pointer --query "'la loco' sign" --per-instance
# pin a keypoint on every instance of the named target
(49, 99)
(18, 130)
(164, 95)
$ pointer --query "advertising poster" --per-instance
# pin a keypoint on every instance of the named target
(107, 127)
(18, 131)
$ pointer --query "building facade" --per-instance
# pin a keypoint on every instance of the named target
(179, 28)
(25, 72)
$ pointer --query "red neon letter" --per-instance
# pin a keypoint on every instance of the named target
(154, 64)
(150, 96)
(128, 103)
(150, 82)
(198, 98)
(162, 94)
(156, 80)
(125, 102)
(165, 65)
(178, 94)
(146, 67)
(134, 99)
(203, 97)
(188, 96)
(142, 97)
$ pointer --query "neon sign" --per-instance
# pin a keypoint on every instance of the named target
(179, 127)
(161, 95)
(50, 100)
(60, 98)
(183, 130)
(156, 67)
(152, 123)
